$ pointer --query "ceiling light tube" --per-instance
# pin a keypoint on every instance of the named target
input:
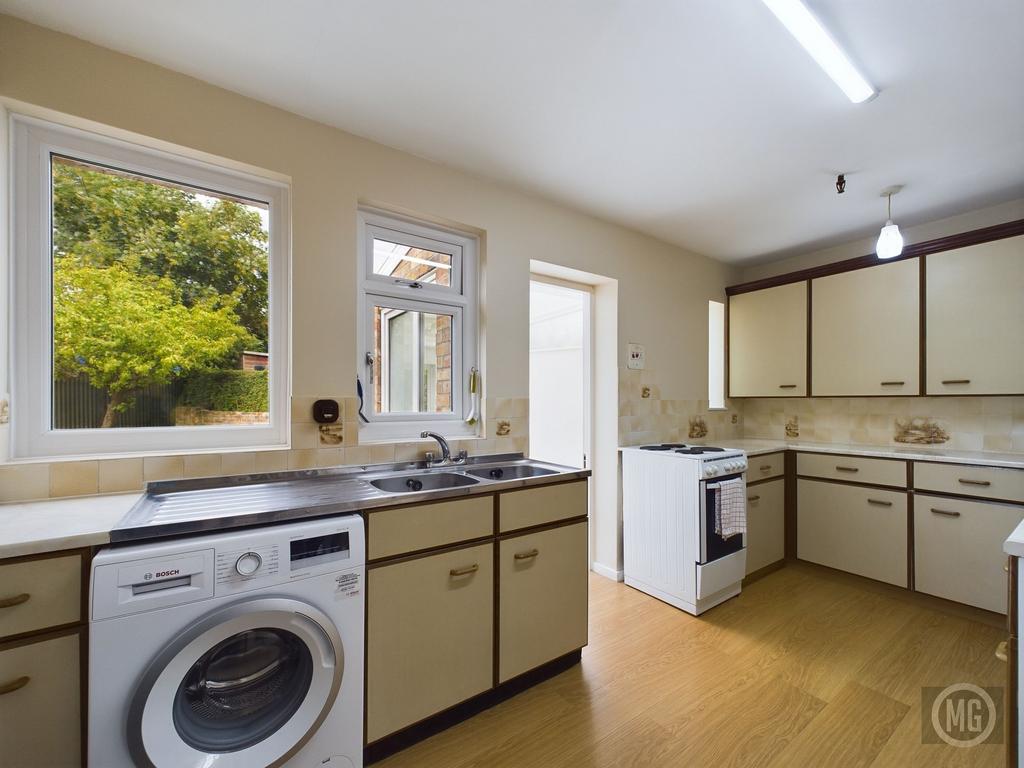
(816, 40)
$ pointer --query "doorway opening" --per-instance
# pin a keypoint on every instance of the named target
(561, 371)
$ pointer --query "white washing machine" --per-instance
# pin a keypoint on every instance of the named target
(235, 650)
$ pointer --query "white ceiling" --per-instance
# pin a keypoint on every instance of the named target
(701, 122)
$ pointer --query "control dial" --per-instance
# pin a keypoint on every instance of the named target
(248, 564)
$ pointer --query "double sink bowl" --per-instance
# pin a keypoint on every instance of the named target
(445, 477)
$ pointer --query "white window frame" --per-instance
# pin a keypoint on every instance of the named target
(716, 355)
(33, 142)
(460, 300)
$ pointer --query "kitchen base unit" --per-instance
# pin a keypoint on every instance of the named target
(470, 601)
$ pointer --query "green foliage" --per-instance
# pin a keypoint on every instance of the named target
(209, 248)
(227, 391)
(126, 331)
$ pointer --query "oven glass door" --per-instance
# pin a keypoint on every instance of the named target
(712, 545)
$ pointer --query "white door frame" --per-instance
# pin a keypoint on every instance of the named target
(588, 378)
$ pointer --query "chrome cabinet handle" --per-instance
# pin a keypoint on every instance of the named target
(14, 685)
(847, 469)
(893, 383)
(880, 503)
(528, 555)
(956, 381)
(753, 498)
(464, 571)
(10, 602)
(945, 512)
(982, 483)
(787, 386)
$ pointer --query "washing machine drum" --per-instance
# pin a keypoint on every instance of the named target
(246, 686)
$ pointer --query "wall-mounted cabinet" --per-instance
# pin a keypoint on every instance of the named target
(975, 319)
(865, 324)
(865, 331)
(768, 342)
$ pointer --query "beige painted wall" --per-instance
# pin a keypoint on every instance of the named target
(662, 290)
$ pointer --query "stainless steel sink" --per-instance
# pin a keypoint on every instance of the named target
(428, 481)
(510, 472)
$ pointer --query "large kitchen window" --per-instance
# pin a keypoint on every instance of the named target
(149, 299)
(418, 327)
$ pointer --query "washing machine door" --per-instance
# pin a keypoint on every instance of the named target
(244, 687)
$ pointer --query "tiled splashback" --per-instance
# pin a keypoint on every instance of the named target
(959, 423)
(646, 417)
(507, 426)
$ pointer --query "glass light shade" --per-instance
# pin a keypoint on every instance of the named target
(890, 241)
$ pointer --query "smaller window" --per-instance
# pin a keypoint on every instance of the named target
(716, 354)
(418, 327)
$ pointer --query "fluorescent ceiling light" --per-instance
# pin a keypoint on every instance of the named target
(823, 49)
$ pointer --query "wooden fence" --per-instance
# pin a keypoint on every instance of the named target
(79, 405)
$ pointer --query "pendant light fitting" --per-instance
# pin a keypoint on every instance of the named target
(890, 241)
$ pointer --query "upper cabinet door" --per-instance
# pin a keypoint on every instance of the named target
(768, 342)
(865, 331)
(975, 319)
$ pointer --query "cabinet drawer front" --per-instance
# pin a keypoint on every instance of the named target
(537, 506)
(36, 594)
(986, 482)
(853, 469)
(766, 524)
(859, 530)
(430, 635)
(543, 602)
(40, 720)
(409, 529)
(764, 467)
(958, 549)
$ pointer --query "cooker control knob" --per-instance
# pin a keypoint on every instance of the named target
(248, 564)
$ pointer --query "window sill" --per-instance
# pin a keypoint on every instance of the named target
(376, 433)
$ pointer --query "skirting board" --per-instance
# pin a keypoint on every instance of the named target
(608, 573)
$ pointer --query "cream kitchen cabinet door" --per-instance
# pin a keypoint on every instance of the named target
(865, 331)
(958, 549)
(853, 528)
(974, 323)
(542, 608)
(430, 630)
(766, 524)
(768, 342)
(40, 716)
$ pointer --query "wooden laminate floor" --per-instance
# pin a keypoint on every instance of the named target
(806, 667)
